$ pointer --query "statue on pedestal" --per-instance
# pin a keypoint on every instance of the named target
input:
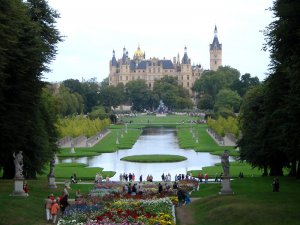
(226, 189)
(225, 163)
(18, 161)
(52, 163)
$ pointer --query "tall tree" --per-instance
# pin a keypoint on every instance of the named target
(28, 39)
(277, 132)
(283, 84)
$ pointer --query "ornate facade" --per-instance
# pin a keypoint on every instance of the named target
(126, 69)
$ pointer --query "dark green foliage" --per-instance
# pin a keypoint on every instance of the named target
(271, 119)
(173, 95)
(28, 40)
(222, 90)
(139, 95)
(244, 84)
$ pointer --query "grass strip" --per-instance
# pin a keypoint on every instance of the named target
(154, 158)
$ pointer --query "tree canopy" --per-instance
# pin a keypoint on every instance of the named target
(275, 109)
(28, 44)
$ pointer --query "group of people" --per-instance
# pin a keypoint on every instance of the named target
(131, 177)
(128, 177)
(202, 177)
(54, 206)
(133, 188)
(166, 177)
(183, 177)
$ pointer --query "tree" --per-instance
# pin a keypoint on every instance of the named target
(205, 102)
(283, 85)
(173, 95)
(244, 84)
(111, 96)
(138, 94)
(252, 144)
(227, 101)
(28, 39)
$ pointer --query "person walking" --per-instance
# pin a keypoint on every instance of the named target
(48, 204)
(160, 188)
(206, 178)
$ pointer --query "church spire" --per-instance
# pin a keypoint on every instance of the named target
(215, 49)
(216, 31)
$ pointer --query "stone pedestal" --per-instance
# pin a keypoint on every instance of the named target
(51, 182)
(18, 188)
(226, 189)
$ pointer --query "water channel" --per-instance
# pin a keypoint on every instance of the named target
(152, 141)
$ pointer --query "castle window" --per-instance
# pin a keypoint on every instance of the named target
(154, 70)
(158, 70)
(150, 85)
(215, 62)
(126, 77)
(149, 70)
(188, 84)
(188, 77)
(153, 64)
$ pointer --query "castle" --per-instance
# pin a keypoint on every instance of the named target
(126, 69)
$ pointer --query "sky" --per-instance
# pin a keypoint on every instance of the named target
(93, 29)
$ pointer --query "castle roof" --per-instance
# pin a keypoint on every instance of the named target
(215, 44)
(142, 65)
(113, 60)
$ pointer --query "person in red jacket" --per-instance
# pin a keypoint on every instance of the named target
(54, 210)
(206, 178)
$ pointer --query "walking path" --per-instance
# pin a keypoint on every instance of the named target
(183, 214)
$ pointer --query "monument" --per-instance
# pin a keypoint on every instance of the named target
(161, 109)
(72, 151)
(51, 177)
(226, 189)
(19, 178)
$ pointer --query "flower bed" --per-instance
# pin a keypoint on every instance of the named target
(108, 204)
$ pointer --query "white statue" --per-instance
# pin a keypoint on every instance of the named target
(18, 160)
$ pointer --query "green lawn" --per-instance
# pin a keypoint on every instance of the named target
(235, 169)
(153, 119)
(154, 158)
(253, 203)
(205, 142)
(64, 171)
(107, 144)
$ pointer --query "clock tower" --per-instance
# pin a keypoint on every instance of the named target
(215, 50)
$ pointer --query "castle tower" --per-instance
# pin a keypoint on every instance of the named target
(215, 50)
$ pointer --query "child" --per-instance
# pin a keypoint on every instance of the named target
(54, 210)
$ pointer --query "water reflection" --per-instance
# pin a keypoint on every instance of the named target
(152, 141)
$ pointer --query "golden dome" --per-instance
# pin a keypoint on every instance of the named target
(138, 54)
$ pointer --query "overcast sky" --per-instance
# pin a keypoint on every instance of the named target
(94, 28)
